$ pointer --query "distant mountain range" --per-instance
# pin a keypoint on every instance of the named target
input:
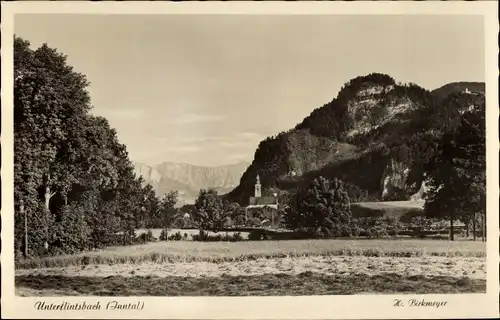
(188, 179)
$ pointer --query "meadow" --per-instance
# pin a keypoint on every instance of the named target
(293, 267)
(193, 251)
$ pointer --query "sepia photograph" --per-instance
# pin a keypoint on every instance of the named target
(216, 155)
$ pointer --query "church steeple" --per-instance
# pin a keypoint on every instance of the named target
(258, 192)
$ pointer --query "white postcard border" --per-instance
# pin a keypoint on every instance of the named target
(310, 307)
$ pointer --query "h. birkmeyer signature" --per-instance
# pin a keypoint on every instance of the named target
(419, 303)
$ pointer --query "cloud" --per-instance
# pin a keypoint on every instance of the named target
(244, 139)
(198, 148)
(232, 144)
(192, 118)
(238, 157)
(251, 135)
(113, 114)
(182, 149)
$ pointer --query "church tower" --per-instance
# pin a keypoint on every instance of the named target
(258, 192)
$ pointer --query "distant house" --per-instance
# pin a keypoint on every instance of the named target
(258, 201)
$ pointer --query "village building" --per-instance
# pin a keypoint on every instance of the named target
(258, 201)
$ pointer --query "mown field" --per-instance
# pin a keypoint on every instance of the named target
(192, 251)
(294, 267)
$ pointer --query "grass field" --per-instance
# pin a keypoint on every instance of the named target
(188, 251)
(294, 267)
(402, 210)
(307, 283)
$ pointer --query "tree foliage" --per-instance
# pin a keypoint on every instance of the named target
(457, 174)
(210, 211)
(70, 171)
(322, 207)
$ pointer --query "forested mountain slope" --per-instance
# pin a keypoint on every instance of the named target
(375, 135)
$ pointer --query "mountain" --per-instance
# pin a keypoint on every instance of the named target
(375, 135)
(457, 87)
(188, 179)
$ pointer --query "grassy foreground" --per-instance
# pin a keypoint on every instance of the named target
(307, 283)
(190, 251)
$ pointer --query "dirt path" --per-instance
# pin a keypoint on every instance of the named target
(473, 268)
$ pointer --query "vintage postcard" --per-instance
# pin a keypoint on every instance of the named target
(250, 160)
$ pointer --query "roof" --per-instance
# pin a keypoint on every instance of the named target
(262, 200)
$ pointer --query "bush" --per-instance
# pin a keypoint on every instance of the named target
(149, 235)
(356, 229)
(146, 237)
(175, 237)
(255, 235)
(37, 220)
(253, 222)
(237, 237)
(71, 232)
(419, 225)
(164, 235)
(375, 227)
(377, 231)
(201, 236)
(206, 237)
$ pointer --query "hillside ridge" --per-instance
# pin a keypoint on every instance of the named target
(367, 135)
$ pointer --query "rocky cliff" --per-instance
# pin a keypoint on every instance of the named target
(373, 135)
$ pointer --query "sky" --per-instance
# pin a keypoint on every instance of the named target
(206, 89)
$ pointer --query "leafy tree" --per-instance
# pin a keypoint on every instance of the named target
(149, 208)
(70, 171)
(457, 174)
(210, 213)
(235, 212)
(167, 213)
(321, 208)
(50, 104)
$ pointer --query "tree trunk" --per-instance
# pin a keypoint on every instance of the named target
(451, 229)
(474, 227)
(48, 195)
(47, 198)
(467, 227)
(483, 222)
(23, 213)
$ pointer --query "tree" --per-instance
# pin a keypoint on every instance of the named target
(167, 213)
(210, 213)
(71, 174)
(457, 173)
(321, 208)
(235, 212)
(50, 103)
